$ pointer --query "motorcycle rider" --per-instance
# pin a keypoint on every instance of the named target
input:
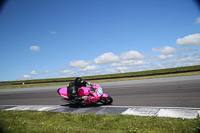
(72, 90)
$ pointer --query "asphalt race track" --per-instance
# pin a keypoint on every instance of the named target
(163, 92)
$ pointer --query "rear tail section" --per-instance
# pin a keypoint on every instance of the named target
(63, 92)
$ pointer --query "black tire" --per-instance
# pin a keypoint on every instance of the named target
(106, 100)
(82, 104)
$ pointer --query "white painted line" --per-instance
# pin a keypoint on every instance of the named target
(150, 107)
(43, 109)
(18, 108)
(188, 113)
(178, 113)
(141, 111)
(34, 107)
(48, 108)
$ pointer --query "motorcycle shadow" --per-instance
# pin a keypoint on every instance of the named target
(81, 106)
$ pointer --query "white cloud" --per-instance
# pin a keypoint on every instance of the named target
(183, 59)
(133, 62)
(90, 68)
(161, 57)
(197, 56)
(25, 77)
(186, 50)
(122, 68)
(160, 66)
(198, 20)
(35, 48)
(36, 73)
(129, 63)
(47, 71)
(164, 50)
(106, 58)
(67, 71)
(80, 64)
(132, 55)
(111, 71)
(190, 40)
(33, 73)
(53, 32)
(165, 57)
(116, 64)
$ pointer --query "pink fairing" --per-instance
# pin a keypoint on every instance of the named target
(63, 92)
(104, 95)
(95, 95)
(83, 91)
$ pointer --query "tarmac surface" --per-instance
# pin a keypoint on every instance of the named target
(164, 97)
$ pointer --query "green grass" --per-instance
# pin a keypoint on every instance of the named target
(180, 71)
(50, 122)
(99, 81)
(141, 73)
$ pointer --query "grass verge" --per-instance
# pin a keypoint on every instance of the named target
(34, 121)
(110, 76)
(99, 81)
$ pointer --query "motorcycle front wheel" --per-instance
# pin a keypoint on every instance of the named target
(106, 100)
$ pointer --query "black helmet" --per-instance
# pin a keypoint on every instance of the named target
(79, 82)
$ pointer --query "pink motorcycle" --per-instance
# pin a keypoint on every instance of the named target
(94, 95)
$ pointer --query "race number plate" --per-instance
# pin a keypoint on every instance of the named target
(100, 91)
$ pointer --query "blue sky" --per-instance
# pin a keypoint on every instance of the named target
(68, 38)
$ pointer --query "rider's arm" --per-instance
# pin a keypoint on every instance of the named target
(89, 83)
(91, 86)
(71, 84)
